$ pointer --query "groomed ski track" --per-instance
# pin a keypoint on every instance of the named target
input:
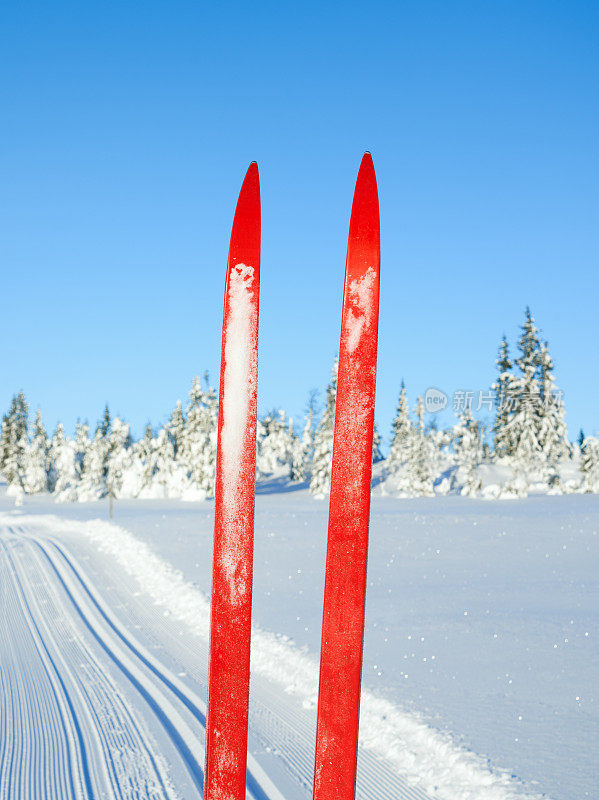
(101, 695)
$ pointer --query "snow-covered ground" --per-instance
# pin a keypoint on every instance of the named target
(481, 664)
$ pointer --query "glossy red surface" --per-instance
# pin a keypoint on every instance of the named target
(347, 547)
(226, 730)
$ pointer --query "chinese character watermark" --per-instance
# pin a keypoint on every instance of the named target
(468, 400)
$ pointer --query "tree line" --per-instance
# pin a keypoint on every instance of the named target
(527, 447)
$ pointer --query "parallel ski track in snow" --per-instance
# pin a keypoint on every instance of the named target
(87, 711)
(65, 729)
(273, 721)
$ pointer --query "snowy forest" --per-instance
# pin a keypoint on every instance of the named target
(526, 450)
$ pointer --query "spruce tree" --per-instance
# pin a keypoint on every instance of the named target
(302, 464)
(14, 442)
(505, 398)
(589, 464)
(529, 345)
(198, 448)
(523, 426)
(118, 458)
(165, 461)
(553, 434)
(92, 485)
(401, 432)
(36, 462)
(145, 451)
(308, 438)
(264, 454)
(298, 464)
(441, 441)
(276, 445)
(304, 447)
(176, 429)
(468, 448)
(420, 455)
(377, 454)
(63, 475)
(411, 456)
(322, 461)
(82, 445)
(105, 423)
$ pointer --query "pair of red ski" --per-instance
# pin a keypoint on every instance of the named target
(345, 580)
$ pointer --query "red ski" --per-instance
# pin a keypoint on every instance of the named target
(231, 604)
(345, 577)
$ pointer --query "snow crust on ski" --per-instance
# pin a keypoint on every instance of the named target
(231, 601)
(347, 546)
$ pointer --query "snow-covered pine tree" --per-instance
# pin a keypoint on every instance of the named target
(263, 430)
(300, 467)
(292, 447)
(198, 451)
(377, 454)
(523, 426)
(176, 429)
(174, 474)
(468, 445)
(4, 443)
(553, 434)
(276, 444)
(440, 442)
(144, 458)
(92, 485)
(81, 446)
(421, 455)
(401, 431)
(505, 388)
(36, 462)
(62, 474)
(106, 422)
(14, 443)
(165, 462)
(322, 461)
(589, 464)
(194, 434)
(307, 441)
(118, 457)
(412, 457)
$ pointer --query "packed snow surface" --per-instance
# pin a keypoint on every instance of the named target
(481, 665)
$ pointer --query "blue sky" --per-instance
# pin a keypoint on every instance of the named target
(126, 130)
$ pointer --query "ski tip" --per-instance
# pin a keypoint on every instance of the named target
(252, 178)
(250, 189)
(245, 234)
(367, 166)
(364, 226)
(366, 186)
(367, 159)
